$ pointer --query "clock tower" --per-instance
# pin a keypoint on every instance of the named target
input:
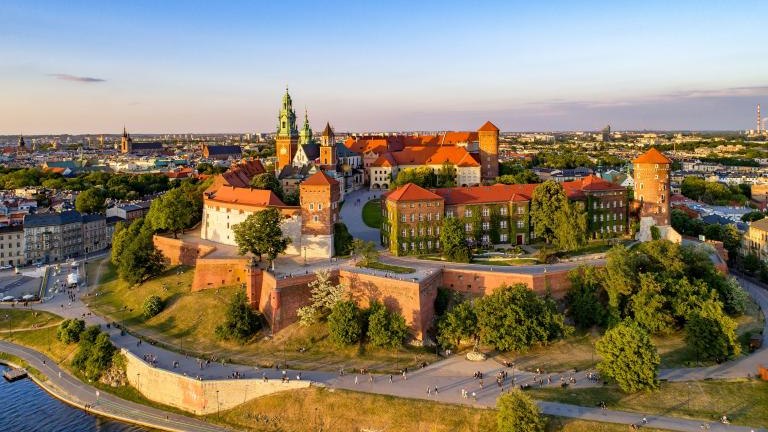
(287, 139)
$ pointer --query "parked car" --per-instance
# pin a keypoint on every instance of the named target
(8, 299)
(6, 267)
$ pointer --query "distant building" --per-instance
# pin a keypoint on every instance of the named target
(142, 148)
(128, 211)
(222, 152)
(756, 239)
(12, 245)
(95, 236)
(53, 237)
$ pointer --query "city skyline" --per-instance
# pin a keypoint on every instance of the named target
(201, 68)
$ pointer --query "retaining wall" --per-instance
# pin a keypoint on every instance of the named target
(195, 396)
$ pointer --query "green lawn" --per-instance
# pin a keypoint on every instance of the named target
(745, 402)
(372, 213)
(190, 318)
(26, 318)
(387, 267)
(506, 262)
(593, 247)
(349, 411)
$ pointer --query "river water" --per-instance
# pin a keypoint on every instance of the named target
(25, 407)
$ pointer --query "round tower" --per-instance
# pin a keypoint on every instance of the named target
(652, 186)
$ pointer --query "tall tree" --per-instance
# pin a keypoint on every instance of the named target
(629, 357)
(268, 181)
(174, 211)
(344, 323)
(366, 250)
(517, 412)
(570, 229)
(513, 318)
(260, 234)
(546, 204)
(446, 175)
(139, 259)
(584, 297)
(454, 240)
(459, 322)
(712, 333)
(650, 307)
(241, 321)
(90, 200)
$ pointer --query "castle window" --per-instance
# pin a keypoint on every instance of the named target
(413, 246)
(311, 206)
(413, 232)
(520, 224)
(429, 231)
(413, 217)
(503, 238)
(520, 210)
(467, 213)
(437, 216)
(486, 212)
(421, 217)
(503, 211)
(429, 244)
(405, 232)
(421, 232)
(319, 206)
(503, 224)
(449, 213)
(486, 226)
(437, 244)
(468, 227)
(437, 230)
(316, 218)
(403, 218)
(405, 246)
(421, 245)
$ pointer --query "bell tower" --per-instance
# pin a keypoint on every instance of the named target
(287, 139)
(328, 148)
(126, 143)
(488, 137)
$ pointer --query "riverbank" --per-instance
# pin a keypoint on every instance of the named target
(63, 386)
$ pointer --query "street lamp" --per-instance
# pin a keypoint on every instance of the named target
(305, 256)
(218, 405)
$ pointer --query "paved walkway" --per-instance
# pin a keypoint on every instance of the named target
(352, 215)
(76, 393)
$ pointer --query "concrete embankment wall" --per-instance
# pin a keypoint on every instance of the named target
(195, 396)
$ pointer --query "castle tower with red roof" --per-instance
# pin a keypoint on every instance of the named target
(319, 196)
(328, 148)
(652, 188)
(488, 137)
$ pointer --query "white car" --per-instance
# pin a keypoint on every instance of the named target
(8, 298)
(6, 267)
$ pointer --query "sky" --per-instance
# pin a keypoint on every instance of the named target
(204, 67)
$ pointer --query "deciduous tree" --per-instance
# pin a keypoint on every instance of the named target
(546, 204)
(459, 322)
(345, 323)
(454, 241)
(260, 234)
(241, 321)
(712, 333)
(517, 412)
(629, 357)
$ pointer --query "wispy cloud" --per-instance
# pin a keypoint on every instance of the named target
(81, 79)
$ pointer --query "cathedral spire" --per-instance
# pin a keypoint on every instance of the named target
(305, 135)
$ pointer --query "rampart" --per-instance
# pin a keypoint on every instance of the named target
(196, 396)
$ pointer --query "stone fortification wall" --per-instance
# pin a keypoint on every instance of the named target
(219, 272)
(178, 251)
(195, 396)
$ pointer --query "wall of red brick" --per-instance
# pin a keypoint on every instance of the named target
(178, 251)
(218, 272)
(480, 283)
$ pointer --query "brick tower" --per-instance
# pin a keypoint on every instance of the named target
(488, 135)
(126, 142)
(652, 186)
(328, 148)
(287, 139)
(319, 196)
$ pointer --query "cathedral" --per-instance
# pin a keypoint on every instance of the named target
(300, 154)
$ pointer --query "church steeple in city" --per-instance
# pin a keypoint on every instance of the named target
(22, 144)
(305, 135)
(287, 139)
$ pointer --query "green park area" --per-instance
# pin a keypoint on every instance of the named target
(743, 401)
(349, 411)
(372, 213)
(188, 321)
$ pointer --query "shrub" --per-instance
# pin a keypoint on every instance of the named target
(385, 328)
(344, 323)
(152, 306)
(69, 330)
(241, 321)
(517, 412)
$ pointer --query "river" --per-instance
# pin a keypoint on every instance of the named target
(25, 407)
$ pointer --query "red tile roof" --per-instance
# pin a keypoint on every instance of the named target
(384, 160)
(240, 174)
(488, 127)
(486, 194)
(652, 156)
(246, 196)
(320, 178)
(425, 155)
(412, 192)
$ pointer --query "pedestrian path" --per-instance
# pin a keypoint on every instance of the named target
(74, 392)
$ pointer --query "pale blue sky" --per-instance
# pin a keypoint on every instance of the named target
(202, 66)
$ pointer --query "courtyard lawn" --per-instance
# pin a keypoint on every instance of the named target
(745, 402)
(598, 246)
(372, 213)
(349, 411)
(387, 267)
(506, 261)
(189, 319)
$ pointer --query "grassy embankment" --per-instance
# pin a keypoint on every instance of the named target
(189, 319)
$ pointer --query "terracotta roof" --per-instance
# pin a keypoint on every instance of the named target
(652, 156)
(246, 196)
(488, 127)
(384, 160)
(411, 192)
(592, 182)
(320, 178)
(486, 194)
(240, 174)
(425, 155)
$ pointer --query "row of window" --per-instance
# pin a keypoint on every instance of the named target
(10, 236)
(10, 245)
(614, 228)
(421, 244)
(607, 217)
(422, 231)
(487, 225)
(421, 217)
(607, 204)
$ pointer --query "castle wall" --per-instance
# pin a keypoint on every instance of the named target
(481, 283)
(219, 272)
(195, 396)
(178, 251)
